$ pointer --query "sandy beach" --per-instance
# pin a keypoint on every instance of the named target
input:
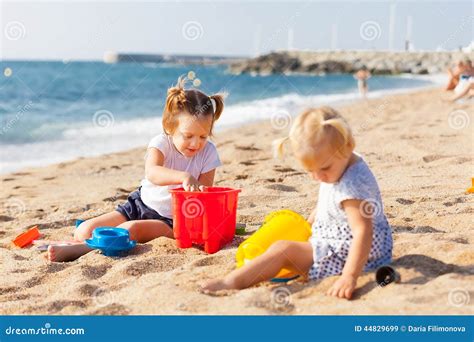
(419, 148)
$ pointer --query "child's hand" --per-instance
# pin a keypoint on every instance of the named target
(343, 287)
(190, 183)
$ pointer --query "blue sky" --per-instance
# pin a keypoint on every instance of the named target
(86, 29)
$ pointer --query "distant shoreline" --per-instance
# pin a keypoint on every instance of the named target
(299, 62)
(333, 62)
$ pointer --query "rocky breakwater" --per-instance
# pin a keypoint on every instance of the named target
(325, 62)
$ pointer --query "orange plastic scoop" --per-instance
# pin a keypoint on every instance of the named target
(27, 237)
(471, 189)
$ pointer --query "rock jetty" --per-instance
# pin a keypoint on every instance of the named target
(326, 62)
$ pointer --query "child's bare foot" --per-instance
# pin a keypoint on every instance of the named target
(63, 252)
(217, 285)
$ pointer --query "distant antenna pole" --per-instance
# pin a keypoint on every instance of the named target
(291, 36)
(257, 40)
(409, 31)
(334, 37)
(391, 28)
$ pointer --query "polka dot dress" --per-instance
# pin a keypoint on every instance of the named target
(331, 234)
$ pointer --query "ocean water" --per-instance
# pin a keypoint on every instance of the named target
(56, 111)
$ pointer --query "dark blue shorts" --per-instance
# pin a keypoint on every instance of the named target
(135, 209)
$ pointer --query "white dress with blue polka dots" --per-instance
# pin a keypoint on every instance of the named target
(331, 235)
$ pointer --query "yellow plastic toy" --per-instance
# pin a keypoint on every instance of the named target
(471, 189)
(279, 225)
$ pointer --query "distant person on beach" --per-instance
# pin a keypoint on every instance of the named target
(454, 75)
(350, 233)
(465, 84)
(362, 76)
(180, 156)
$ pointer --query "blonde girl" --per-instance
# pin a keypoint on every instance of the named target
(350, 233)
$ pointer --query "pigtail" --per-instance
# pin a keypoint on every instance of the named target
(341, 126)
(338, 126)
(176, 97)
(278, 147)
(175, 103)
(219, 105)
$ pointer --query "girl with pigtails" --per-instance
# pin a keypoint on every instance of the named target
(181, 156)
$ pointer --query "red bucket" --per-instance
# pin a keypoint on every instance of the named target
(205, 218)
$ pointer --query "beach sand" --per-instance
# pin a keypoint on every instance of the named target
(418, 147)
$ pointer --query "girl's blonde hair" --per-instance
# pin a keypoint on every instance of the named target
(312, 128)
(191, 101)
